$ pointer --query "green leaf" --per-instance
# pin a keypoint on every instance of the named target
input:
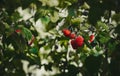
(45, 20)
(71, 11)
(34, 50)
(85, 6)
(76, 21)
(54, 17)
(37, 16)
(104, 39)
(50, 26)
(50, 3)
(26, 33)
(86, 49)
(103, 25)
(15, 16)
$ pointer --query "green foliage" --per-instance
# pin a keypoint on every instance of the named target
(31, 30)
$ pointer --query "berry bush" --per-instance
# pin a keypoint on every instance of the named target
(75, 37)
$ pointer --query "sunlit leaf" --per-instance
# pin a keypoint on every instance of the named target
(54, 17)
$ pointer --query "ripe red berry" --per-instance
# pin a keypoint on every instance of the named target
(72, 36)
(66, 32)
(73, 44)
(79, 41)
(18, 31)
(90, 41)
(92, 37)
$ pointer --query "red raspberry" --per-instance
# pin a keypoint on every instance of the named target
(66, 32)
(92, 37)
(18, 31)
(79, 41)
(73, 43)
(72, 36)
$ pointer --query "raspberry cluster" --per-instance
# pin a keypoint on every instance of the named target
(76, 41)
